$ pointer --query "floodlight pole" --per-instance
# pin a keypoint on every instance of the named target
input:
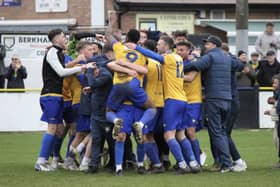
(241, 16)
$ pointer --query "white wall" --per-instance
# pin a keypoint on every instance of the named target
(20, 112)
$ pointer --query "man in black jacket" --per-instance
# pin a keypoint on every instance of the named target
(268, 68)
(100, 81)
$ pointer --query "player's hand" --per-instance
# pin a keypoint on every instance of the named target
(130, 45)
(100, 37)
(83, 67)
(132, 73)
(91, 65)
(86, 90)
(120, 62)
(81, 58)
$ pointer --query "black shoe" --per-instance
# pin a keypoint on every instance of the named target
(156, 170)
(166, 164)
(92, 169)
(181, 171)
(119, 172)
(176, 167)
(141, 170)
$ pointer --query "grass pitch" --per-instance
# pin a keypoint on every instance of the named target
(18, 152)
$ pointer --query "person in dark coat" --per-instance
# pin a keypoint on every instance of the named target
(16, 73)
(216, 67)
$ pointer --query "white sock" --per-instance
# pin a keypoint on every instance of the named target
(157, 165)
(182, 164)
(80, 147)
(118, 167)
(193, 163)
(85, 161)
(239, 161)
(115, 120)
(141, 124)
(56, 158)
(41, 160)
(139, 164)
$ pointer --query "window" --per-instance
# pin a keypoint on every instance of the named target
(217, 14)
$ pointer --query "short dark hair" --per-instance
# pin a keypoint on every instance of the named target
(187, 44)
(150, 44)
(82, 44)
(53, 33)
(269, 24)
(133, 36)
(107, 48)
(98, 45)
(168, 40)
(277, 76)
(179, 33)
(241, 52)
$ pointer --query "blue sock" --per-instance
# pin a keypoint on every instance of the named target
(187, 150)
(151, 150)
(71, 138)
(140, 153)
(148, 115)
(57, 146)
(119, 151)
(46, 146)
(111, 116)
(196, 149)
(175, 149)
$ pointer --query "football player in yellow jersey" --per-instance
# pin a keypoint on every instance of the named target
(175, 101)
(154, 89)
(127, 87)
(193, 91)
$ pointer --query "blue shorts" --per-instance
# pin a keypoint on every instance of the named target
(193, 116)
(131, 91)
(155, 124)
(173, 115)
(127, 114)
(82, 121)
(52, 108)
(68, 114)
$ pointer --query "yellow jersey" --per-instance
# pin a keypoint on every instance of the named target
(154, 85)
(194, 89)
(173, 77)
(66, 89)
(76, 89)
(133, 56)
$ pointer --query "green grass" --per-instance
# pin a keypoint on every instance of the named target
(19, 152)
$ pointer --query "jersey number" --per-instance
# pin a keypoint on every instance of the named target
(179, 74)
(159, 72)
(131, 56)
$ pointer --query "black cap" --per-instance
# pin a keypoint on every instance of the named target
(270, 53)
(214, 39)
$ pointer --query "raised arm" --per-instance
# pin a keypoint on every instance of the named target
(53, 60)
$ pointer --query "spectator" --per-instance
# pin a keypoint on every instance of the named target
(143, 37)
(2, 65)
(254, 62)
(268, 41)
(268, 68)
(16, 73)
(247, 77)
